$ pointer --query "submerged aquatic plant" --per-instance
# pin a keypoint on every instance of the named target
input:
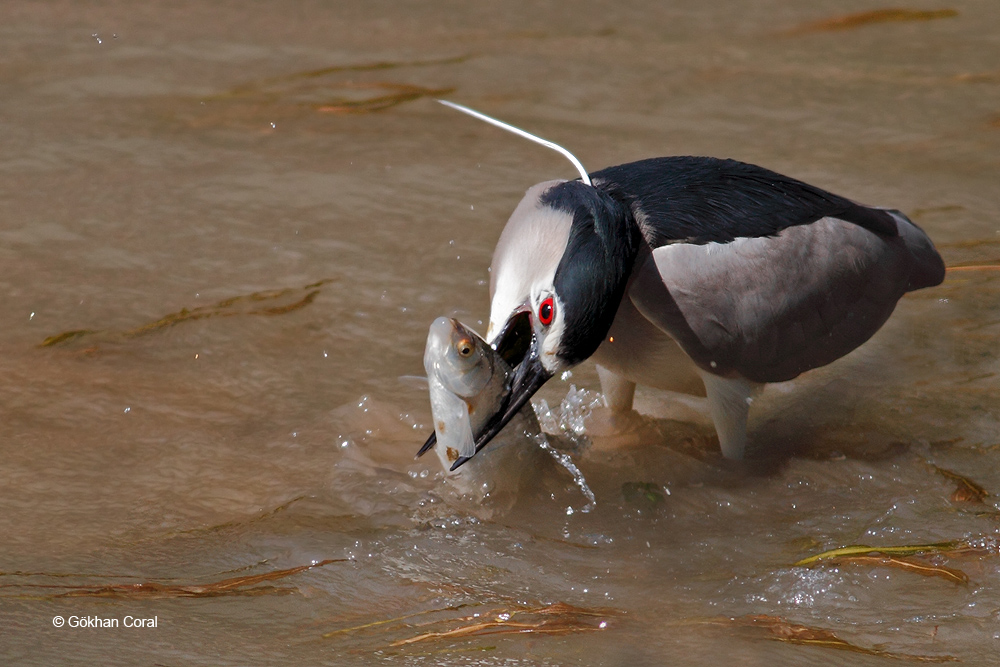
(902, 563)
(861, 19)
(975, 266)
(946, 548)
(265, 303)
(775, 628)
(554, 619)
(517, 618)
(336, 89)
(243, 585)
(967, 490)
(901, 557)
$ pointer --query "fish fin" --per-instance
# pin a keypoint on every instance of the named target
(431, 441)
(451, 420)
(466, 442)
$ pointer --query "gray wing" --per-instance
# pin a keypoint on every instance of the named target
(770, 308)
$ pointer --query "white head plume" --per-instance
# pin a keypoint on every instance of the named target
(527, 135)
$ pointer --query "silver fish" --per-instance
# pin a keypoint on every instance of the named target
(468, 381)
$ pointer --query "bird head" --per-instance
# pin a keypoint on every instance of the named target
(558, 274)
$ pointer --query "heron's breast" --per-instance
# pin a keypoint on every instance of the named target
(641, 353)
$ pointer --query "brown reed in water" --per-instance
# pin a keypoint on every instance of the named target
(967, 491)
(153, 590)
(901, 563)
(263, 102)
(554, 619)
(247, 304)
(775, 628)
(861, 19)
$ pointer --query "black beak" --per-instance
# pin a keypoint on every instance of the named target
(528, 378)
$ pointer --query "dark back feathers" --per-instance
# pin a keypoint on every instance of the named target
(703, 200)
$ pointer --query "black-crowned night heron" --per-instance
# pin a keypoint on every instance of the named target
(733, 271)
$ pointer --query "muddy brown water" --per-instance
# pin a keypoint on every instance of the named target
(163, 159)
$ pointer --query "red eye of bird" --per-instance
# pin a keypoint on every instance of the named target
(546, 311)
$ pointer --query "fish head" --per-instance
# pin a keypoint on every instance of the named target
(458, 358)
(467, 380)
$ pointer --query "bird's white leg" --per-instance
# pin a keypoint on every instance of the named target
(729, 403)
(618, 392)
(617, 418)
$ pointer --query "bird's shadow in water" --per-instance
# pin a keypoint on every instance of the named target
(815, 421)
(822, 421)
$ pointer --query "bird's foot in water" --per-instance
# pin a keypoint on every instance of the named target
(615, 428)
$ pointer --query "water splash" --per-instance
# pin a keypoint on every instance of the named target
(572, 413)
(569, 418)
(566, 462)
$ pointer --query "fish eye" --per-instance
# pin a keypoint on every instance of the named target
(464, 347)
(546, 311)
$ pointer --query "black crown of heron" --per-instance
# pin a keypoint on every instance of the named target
(677, 267)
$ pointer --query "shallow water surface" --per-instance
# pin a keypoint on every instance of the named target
(234, 222)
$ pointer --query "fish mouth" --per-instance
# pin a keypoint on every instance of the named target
(529, 377)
